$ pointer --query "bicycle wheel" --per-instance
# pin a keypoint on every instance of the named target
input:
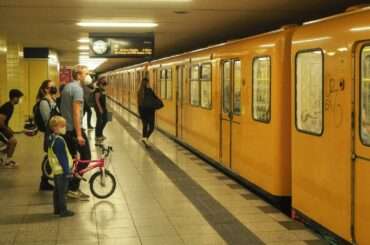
(46, 169)
(102, 187)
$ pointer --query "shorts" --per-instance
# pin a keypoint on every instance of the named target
(5, 135)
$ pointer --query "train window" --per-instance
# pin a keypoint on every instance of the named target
(261, 89)
(237, 87)
(163, 84)
(365, 96)
(309, 91)
(226, 84)
(194, 86)
(169, 84)
(157, 86)
(206, 85)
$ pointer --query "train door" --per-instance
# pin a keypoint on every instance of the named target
(230, 108)
(179, 100)
(361, 168)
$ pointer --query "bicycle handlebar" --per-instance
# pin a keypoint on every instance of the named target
(106, 150)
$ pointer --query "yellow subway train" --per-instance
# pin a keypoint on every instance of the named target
(287, 112)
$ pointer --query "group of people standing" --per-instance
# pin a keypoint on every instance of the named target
(64, 135)
(76, 99)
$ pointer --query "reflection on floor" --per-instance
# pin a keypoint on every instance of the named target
(165, 195)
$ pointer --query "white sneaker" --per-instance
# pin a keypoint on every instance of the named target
(83, 196)
(73, 194)
(100, 138)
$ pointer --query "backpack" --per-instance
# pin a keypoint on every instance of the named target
(37, 114)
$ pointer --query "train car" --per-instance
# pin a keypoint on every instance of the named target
(230, 102)
(330, 131)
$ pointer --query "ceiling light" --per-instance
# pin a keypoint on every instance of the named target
(84, 47)
(363, 28)
(92, 64)
(331, 53)
(267, 45)
(343, 49)
(169, 1)
(311, 40)
(84, 40)
(118, 24)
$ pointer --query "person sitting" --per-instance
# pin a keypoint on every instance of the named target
(6, 133)
(61, 163)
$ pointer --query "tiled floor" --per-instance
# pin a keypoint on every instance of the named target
(165, 195)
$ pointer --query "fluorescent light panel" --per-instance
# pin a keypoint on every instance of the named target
(92, 64)
(311, 40)
(84, 40)
(117, 24)
(362, 28)
(267, 45)
(84, 47)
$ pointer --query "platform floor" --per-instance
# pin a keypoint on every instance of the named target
(165, 196)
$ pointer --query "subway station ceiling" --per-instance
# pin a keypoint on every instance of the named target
(182, 24)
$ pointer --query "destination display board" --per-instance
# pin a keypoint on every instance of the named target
(121, 45)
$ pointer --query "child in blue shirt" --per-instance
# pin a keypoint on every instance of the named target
(61, 163)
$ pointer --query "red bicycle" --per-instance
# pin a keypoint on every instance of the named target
(102, 182)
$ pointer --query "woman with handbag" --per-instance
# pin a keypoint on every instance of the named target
(148, 103)
(100, 106)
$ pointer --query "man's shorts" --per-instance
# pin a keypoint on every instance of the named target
(5, 135)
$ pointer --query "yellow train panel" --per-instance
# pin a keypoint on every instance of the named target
(321, 160)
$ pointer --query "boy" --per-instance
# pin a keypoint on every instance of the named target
(6, 134)
(60, 162)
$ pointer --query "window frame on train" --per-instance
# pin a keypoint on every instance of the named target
(239, 111)
(162, 84)
(169, 79)
(229, 107)
(192, 81)
(205, 80)
(166, 80)
(269, 112)
(322, 60)
(361, 74)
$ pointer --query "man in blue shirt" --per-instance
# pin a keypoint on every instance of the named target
(72, 107)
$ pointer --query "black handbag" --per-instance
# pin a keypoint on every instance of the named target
(151, 101)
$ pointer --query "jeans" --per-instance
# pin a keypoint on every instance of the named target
(87, 109)
(84, 151)
(101, 122)
(147, 118)
(59, 194)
